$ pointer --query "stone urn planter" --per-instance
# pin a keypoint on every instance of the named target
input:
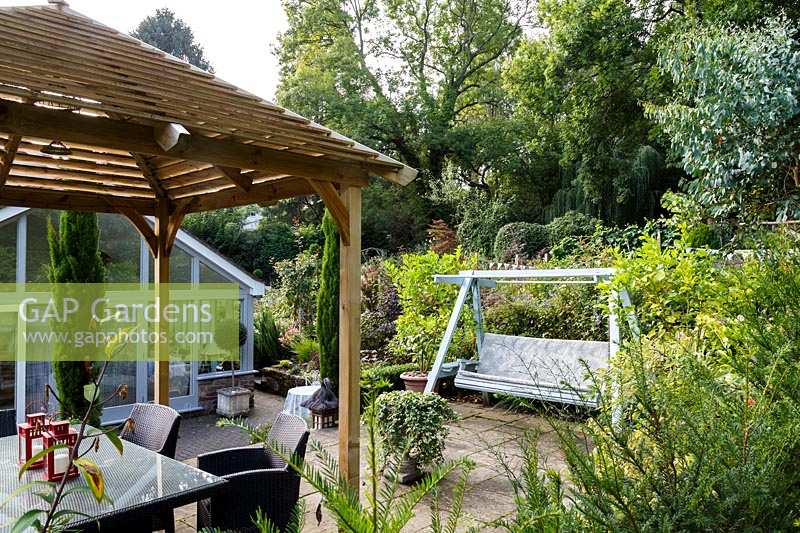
(408, 471)
(233, 401)
(414, 380)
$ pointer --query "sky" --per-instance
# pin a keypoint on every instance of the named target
(237, 35)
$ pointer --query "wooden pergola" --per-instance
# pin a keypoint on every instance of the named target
(94, 120)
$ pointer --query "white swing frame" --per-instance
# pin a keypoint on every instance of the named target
(471, 281)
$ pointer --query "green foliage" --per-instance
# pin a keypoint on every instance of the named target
(328, 302)
(427, 305)
(671, 286)
(481, 219)
(571, 224)
(380, 307)
(381, 378)
(709, 435)
(522, 239)
(413, 424)
(266, 339)
(556, 312)
(305, 350)
(733, 120)
(74, 258)
(172, 35)
(383, 507)
(294, 299)
(274, 241)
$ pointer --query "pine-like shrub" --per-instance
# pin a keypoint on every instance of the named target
(522, 239)
(328, 302)
(74, 258)
(266, 339)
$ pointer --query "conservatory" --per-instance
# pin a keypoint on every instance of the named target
(24, 254)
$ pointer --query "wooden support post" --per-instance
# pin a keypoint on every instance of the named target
(161, 278)
(350, 339)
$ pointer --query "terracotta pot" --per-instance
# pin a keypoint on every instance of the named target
(414, 381)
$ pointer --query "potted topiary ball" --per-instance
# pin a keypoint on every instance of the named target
(413, 427)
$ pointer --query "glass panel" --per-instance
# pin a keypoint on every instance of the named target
(209, 275)
(8, 253)
(180, 266)
(208, 367)
(37, 251)
(119, 245)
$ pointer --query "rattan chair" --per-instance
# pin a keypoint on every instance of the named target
(257, 478)
(8, 422)
(155, 427)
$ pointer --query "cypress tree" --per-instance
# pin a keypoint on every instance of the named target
(74, 258)
(328, 302)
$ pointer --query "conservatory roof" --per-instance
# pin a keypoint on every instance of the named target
(93, 119)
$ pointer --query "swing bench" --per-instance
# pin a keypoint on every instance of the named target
(554, 370)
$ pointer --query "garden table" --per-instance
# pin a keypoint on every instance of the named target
(140, 483)
(297, 396)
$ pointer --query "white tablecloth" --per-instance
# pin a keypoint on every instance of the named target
(295, 397)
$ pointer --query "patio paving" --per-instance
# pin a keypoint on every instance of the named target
(481, 434)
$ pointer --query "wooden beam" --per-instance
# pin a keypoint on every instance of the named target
(170, 136)
(265, 192)
(9, 152)
(74, 201)
(107, 133)
(350, 339)
(243, 181)
(150, 174)
(161, 278)
(141, 225)
(175, 219)
(333, 202)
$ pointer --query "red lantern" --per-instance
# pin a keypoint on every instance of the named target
(57, 461)
(29, 439)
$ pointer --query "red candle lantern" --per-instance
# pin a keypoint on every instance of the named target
(29, 439)
(57, 463)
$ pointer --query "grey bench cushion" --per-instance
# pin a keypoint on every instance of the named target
(554, 368)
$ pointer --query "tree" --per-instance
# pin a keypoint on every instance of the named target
(735, 118)
(74, 259)
(172, 35)
(412, 79)
(328, 302)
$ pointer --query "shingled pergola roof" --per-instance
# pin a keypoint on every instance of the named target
(92, 119)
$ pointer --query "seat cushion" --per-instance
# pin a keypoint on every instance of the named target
(554, 363)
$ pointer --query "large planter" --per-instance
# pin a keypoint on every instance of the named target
(408, 471)
(233, 401)
(415, 381)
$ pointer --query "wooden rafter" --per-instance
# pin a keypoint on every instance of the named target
(243, 181)
(335, 205)
(9, 152)
(150, 175)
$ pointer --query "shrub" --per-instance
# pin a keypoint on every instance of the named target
(328, 302)
(571, 224)
(382, 378)
(74, 258)
(426, 305)
(306, 350)
(266, 339)
(294, 299)
(414, 423)
(481, 219)
(380, 307)
(558, 312)
(520, 238)
(275, 242)
(709, 438)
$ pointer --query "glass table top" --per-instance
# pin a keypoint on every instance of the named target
(136, 478)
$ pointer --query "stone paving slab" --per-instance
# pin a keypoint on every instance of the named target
(482, 434)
